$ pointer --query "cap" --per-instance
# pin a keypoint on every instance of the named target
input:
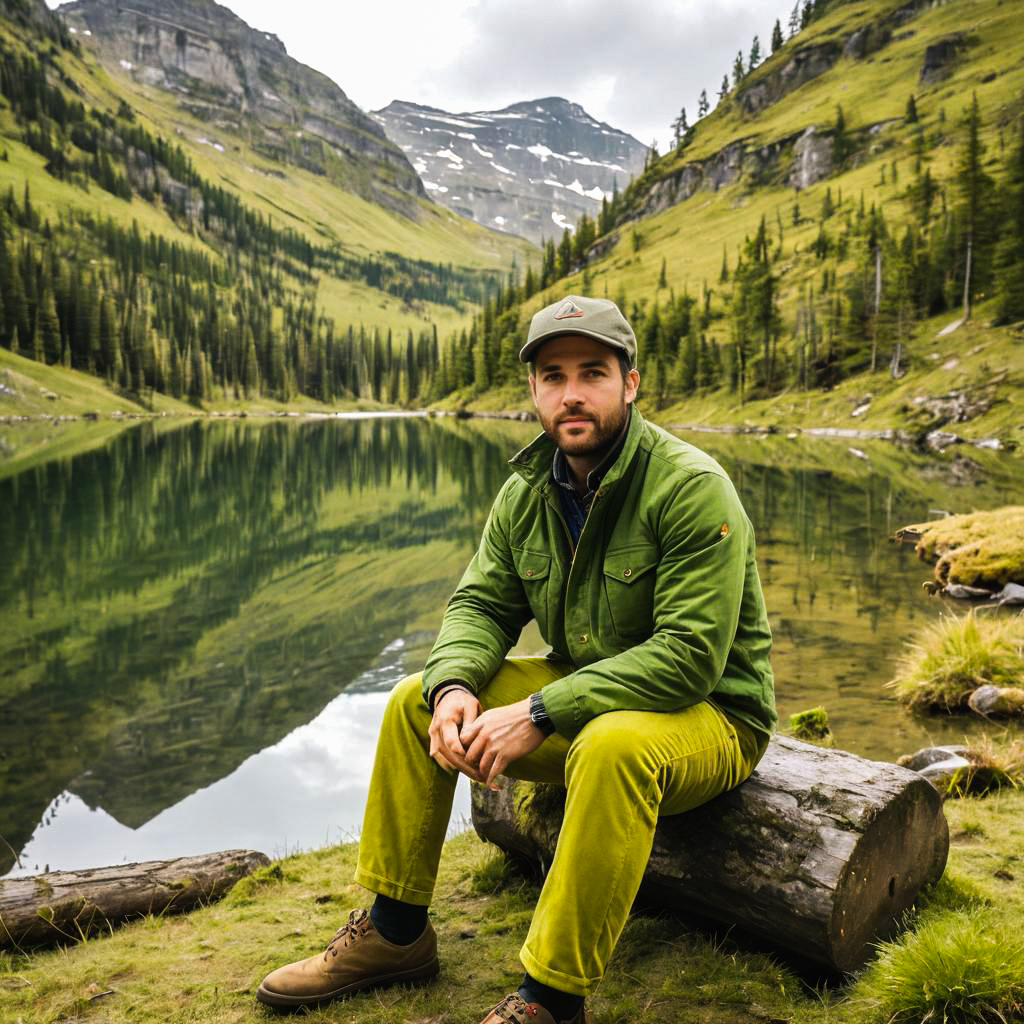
(599, 319)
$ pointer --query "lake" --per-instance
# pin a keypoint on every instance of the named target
(200, 622)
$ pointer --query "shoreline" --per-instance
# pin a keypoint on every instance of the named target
(936, 441)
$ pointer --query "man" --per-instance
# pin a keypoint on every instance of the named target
(632, 551)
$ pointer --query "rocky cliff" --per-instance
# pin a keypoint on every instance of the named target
(241, 82)
(532, 169)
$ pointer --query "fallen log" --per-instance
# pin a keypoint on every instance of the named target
(65, 906)
(819, 852)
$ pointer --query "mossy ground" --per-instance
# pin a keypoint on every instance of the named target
(206, 965)
(978, 549)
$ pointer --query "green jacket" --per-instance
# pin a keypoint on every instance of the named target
(658, 608)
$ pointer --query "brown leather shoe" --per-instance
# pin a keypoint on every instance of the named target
(357, 957)
(514, 1010)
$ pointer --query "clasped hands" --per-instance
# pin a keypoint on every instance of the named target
(480, 744)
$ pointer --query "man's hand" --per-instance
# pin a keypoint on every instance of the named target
(455, 710)
(495, 739)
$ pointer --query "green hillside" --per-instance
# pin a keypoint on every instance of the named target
(138, 250)
(816, 222)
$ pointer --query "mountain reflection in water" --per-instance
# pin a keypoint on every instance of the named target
(200, 623)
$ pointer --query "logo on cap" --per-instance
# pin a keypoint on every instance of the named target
(567, 309)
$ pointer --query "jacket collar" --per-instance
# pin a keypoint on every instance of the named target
(533, 463)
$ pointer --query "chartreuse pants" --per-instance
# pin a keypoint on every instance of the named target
(621, 771)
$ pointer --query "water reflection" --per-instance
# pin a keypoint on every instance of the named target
(198, 624)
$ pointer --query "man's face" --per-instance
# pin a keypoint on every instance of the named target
(580, 394)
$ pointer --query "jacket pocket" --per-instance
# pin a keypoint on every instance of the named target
(629, 577)
(534, 570)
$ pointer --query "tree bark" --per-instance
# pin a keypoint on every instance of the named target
(819, 852)
(64, 906)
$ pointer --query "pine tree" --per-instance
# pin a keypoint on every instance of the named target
(755, 54)
(737, 69)
(723, 91)
(911, 115)
(47, 329)
(755, 309)
(976, 189)
(841, 143)
(777, 39)
(679, 128)
(662, 278)
(1010, 254)
(794, 20)
(703, 106)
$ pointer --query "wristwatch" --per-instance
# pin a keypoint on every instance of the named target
(539, 715)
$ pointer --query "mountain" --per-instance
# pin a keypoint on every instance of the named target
(186, 211)
(241, 82)
(839, 243)
(531, 169)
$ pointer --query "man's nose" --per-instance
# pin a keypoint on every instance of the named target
(573, 394)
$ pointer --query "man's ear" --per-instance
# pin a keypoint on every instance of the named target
(632, 385)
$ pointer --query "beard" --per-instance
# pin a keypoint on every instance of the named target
(592, 442)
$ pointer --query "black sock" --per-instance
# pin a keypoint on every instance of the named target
(561, 1005)
(400, 923)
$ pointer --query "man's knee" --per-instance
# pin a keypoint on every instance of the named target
(406, 702)
(609, 744)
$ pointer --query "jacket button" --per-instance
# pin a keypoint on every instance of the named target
(583, 638)
(529, 572)
(627, 572)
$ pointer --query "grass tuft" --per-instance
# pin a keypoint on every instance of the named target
(493, 874)
(964, 969)
(811, 725)
(955, 655)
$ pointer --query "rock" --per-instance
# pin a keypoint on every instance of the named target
(931, 755)
(965, 593)
(943, 775)
(812, 159)
(867, 40)
(939, 440)
(940, 58)
(997, 700)
(1012, 593)
(232, 76)
(806, 63)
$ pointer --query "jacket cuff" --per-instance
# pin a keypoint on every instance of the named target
(441, 688)
(562, 707)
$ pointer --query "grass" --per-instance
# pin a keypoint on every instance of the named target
(994, 765)
(961, 970)
(957, 654)
(962, 951)
(978, 549)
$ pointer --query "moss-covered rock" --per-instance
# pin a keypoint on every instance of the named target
(978, 549)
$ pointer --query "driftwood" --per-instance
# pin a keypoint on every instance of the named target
(64, 906)
(819, 852)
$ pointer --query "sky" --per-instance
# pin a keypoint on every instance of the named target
(631, 63)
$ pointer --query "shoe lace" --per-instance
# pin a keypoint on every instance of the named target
(357, 925)
(513, 1008)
